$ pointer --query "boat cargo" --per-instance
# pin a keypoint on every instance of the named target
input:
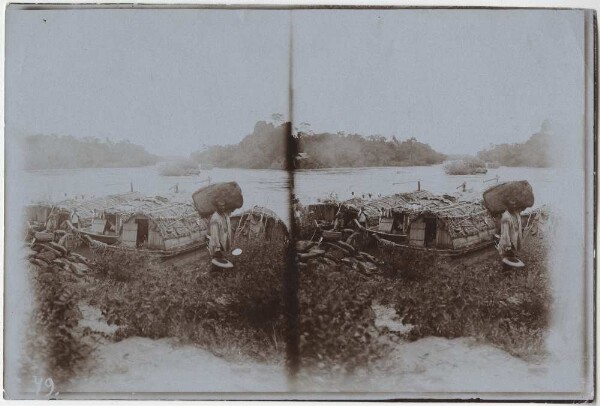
(497, 198)
(205, 199)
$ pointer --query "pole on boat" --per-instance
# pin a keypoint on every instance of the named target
(496, 178)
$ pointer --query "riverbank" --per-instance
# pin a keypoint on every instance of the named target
(354, 321)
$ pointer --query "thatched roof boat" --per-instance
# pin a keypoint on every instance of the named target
(259, 222)
(419, 220)
(154, 225)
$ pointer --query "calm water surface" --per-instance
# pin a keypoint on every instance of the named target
(269, 188)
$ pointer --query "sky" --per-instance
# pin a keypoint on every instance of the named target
(175, 80)
(171, 80)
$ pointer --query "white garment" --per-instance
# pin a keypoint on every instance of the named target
(511, 232)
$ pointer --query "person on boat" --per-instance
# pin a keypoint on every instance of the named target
(511, 231)
(381, 214)
(338, 222)
(297, 207)
(362, 217)
(75, 218)
(220, 231)
(52, 222)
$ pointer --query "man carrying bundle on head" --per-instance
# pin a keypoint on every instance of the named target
(511, 230)
(219, 231)
(505, 202)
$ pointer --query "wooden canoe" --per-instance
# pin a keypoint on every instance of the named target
(109, 239)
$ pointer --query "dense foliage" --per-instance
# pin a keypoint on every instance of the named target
(337, 324)
(534, 152)
(54, 333)
(339, 150)
(228, 312)
(265, 148)
(454, 298)
(65, 152)
(241, 311)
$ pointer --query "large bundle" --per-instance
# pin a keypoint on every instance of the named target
(496, 199)
(205, 199)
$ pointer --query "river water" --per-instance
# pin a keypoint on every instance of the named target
(270, 188)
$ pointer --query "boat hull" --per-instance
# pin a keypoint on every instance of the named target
(437, 251)
(109, 239)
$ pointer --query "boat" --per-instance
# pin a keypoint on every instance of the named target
(419, 221)
(109, 239)
(439, 251)
(155, 225)
(154, 253)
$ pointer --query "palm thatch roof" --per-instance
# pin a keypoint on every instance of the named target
(259, 221)
(119, 203)
(462, 218)
(173, 220)
(417, 201)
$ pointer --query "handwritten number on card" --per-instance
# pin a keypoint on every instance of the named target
(48, 384)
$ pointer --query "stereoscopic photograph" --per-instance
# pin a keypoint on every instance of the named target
(285, 202)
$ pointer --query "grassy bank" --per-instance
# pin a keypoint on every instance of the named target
(227, 312)
(239, 313)
(473, 296)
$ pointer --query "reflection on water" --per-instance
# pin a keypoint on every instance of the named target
(269, 188)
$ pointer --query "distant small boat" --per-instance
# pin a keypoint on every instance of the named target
(481, 171)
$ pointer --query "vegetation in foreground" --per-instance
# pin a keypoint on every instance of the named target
(241, 312)
(474, 297)
(226, 312)
(53, 338)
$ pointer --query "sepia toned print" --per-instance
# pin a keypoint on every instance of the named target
(299, 203)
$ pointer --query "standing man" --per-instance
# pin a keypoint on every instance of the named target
(52, 222)
(75, 218)
(362, 217)
(511, 231)
(220, 231)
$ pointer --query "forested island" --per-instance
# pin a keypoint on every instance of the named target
(265, 148)
(532, 153)
(68, 152)
(353, 150)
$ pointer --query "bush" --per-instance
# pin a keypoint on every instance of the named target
(56, 316)
(455, 299)
(118, 265)
(240, 309)
(337, 324)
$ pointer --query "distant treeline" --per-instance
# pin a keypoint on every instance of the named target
(67, 152)
(532, 153)
(353, 150)
(265, 149)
